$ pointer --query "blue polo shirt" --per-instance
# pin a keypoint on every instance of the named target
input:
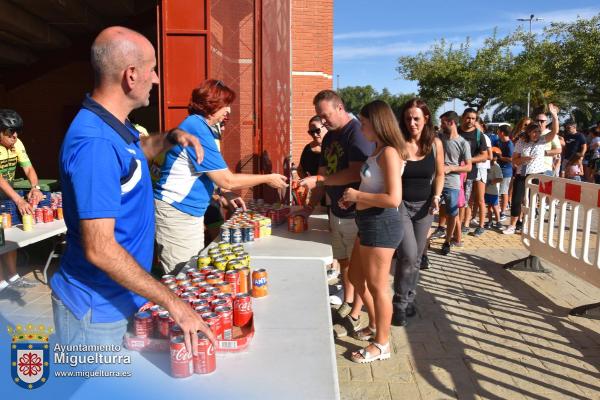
(103, 174)
(183, 182)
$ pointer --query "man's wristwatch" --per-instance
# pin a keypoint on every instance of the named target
(36, 187)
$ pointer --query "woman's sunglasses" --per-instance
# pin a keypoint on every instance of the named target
(314, 131)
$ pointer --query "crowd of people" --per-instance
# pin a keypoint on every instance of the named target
(386, 177)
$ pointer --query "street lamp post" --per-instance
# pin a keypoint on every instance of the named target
(530, 19)
(338, 82)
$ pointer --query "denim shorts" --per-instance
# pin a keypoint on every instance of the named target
(450, 197)
(379, 227)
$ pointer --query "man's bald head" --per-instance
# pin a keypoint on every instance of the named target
(116, 48)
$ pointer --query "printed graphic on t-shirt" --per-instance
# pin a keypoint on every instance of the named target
(333, 155)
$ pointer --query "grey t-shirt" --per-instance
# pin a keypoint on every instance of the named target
(455, 151)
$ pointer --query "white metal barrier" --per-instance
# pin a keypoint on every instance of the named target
(561, 220)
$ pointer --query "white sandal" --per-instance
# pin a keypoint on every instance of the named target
(363, 356)
(367, 333)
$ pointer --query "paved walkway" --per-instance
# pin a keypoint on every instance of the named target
(485, 333)
(481, 332)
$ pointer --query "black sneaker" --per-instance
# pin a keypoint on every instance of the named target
(424, 262)
(465, 230)
(487, 225)
(440, 232)
(478, 231)
(399, 318)
(445, 248)
(411, 310)
(519, 226)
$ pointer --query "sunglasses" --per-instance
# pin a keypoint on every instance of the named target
(315, 131)
(10, 132)
(541, 121)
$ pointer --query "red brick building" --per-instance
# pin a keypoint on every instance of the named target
(276, 54)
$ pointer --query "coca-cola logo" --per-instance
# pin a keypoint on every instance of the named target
(181, 354)
(244, 306)
(211, 350)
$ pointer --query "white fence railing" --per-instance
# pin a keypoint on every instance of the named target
(561, 220)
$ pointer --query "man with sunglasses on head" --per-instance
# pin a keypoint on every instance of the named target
(12, 153)
(552, 149)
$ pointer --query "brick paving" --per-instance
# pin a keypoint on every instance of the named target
(483, 332)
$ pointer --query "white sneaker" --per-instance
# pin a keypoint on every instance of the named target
(335, 300)
(332, 273)
(510, 230)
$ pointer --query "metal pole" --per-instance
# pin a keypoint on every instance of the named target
(338, 82)
(530, 19)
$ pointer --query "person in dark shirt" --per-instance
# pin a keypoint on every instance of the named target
(476, 179)
(575, 144)
(343, 152)
(309, 160)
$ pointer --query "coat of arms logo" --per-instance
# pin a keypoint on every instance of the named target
(30, 355)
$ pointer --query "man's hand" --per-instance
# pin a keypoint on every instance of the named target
(35, 196)
(24, 207)
(553, 109)
(310, 182)
(185, 139)
(233, 200)
(190, 323)
(447, 169)
(277, 181)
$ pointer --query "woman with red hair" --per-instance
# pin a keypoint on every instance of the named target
(184, 188)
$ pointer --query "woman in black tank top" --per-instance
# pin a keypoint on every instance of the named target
(422, 184)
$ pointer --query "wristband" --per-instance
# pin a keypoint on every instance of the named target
(171, 137)
(320, 180)
(438, 198)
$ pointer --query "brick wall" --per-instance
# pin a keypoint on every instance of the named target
(312, 63)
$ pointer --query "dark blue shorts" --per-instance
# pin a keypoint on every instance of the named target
(379, 227)
(450, 199)
(491, 199)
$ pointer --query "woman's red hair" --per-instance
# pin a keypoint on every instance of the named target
(209, 97)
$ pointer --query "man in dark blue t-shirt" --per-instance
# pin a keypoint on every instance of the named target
(507, 148)
(107, 197)
(343, 151)
(575, 144)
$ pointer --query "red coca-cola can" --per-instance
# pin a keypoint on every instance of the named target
(203, 286)
(167, 278)
(218, 303)
(48, 214)
(163, 324)
(214, 322)
(212, 279)
(233, 278)
(154, 310)
(219, 274)
(175, 289)
(182, 365)
(198, 281)
(206, 270)
(213, 291)
(194, 274)
(228, 297)
(205, 308)
(143, 324)
(185, 286)
(175, 331)
(226, 314)
(242, 309)
(194, 290)
(187, 296)
(199, 302)
(39, 215)
(206, 296)
(206, 361)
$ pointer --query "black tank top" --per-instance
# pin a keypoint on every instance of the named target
(416, 180)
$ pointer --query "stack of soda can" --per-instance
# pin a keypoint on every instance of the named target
(244, 227)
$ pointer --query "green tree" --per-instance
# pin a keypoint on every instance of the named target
(355, 97)
(445, 72)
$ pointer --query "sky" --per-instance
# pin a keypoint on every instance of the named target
(370, 35)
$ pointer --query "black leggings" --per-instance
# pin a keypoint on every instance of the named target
(518, 194)
(516, 201)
